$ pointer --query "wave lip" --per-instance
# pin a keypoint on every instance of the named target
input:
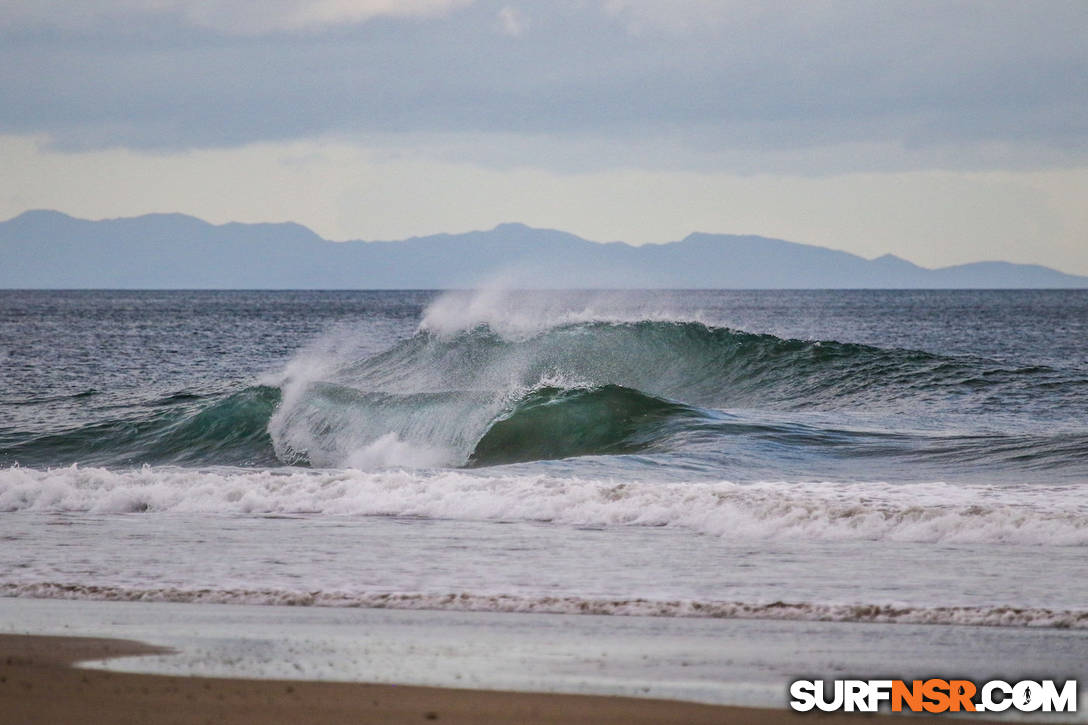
(991, 616)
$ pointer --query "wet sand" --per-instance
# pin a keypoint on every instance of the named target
(39, 685)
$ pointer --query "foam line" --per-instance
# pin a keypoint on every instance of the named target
(996, 616)
(919, 512)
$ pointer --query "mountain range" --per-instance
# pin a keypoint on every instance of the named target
(48, 249)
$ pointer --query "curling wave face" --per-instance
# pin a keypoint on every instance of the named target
(710, 400)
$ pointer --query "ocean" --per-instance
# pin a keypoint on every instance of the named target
(897, 457)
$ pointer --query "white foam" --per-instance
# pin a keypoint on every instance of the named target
(996, 616)
(515, 315)
(389, 451)
(313, 363)
(919, 512)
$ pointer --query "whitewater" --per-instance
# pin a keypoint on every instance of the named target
(893, 457)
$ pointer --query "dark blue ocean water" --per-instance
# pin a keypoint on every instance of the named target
(842, 385)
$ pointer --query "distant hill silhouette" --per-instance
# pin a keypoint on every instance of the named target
(47, 249)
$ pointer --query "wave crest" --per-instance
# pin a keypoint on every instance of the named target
(479, 395)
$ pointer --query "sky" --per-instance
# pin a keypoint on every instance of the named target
(943, 132)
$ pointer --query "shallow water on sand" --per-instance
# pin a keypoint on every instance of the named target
(735, 662)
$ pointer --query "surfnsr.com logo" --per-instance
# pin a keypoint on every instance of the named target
(933, 695)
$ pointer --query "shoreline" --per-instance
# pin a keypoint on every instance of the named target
(39, 683)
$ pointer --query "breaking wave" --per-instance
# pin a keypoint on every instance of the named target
(476, 387)
(481, 395)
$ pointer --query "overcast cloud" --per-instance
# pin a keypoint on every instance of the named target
(989, 85)
(574, 87)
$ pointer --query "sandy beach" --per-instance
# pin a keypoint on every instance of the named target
(38, 684)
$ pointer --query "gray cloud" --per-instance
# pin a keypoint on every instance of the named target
(224, 16)
(894, 85)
